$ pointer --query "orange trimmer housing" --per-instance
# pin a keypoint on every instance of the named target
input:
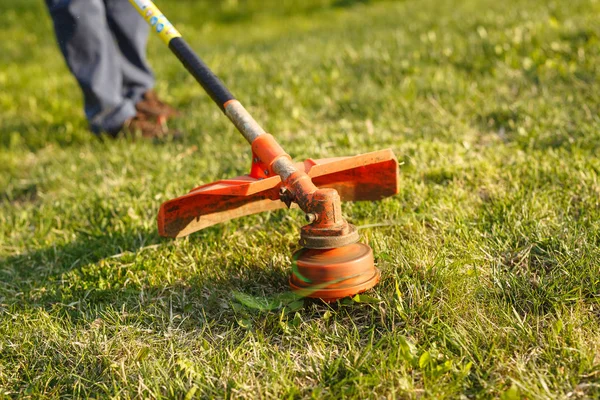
(331, 264)
(366, 177)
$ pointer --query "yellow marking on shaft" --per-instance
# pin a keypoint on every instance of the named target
(156, 19)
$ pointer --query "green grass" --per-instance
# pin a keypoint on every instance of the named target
(489, 254)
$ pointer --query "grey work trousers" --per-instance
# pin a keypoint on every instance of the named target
(104, 45)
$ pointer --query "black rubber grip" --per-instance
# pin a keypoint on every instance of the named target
(209, 81)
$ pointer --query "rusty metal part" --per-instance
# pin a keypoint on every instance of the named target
(335, 273)
(366, 177)
(286, 197)
(328, 239)
(323, 205)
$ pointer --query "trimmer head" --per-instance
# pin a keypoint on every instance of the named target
(333, 274)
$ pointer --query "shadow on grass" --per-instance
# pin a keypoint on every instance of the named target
(34, 270)
(92, 276)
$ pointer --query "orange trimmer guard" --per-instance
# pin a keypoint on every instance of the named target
(366, 177)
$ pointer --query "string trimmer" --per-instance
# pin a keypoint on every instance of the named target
(331, 264)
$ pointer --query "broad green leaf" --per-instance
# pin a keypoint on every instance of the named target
(257, 303)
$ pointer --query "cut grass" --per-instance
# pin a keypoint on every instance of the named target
(489, 254)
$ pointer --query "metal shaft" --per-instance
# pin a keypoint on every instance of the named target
(243, 121)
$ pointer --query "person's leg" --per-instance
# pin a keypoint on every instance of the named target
(89, 48)
(131, 34)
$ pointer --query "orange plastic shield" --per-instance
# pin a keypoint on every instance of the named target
(366, 177)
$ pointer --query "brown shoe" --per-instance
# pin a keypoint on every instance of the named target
(151, 104)
(147, 127)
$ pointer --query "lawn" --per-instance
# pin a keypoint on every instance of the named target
(489, 254)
